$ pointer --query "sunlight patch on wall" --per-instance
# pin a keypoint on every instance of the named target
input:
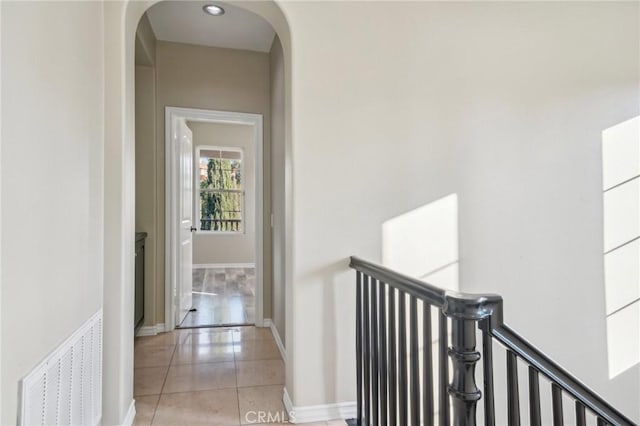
(621, 186)
(423, 243)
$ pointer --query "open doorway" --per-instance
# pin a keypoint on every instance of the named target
(211, 249)
(214, 214)
(220, 78)
(204, 197)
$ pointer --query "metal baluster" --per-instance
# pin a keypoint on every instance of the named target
(556, 396)
(402, 358)
(534, 397)
(374, 350)
(513, 399)
(487, 365)
(382, 300)
(427, 363)
(393, 371)
(366, 358)
(415, 362)
(580, 414)
(359, 343)
(377, 339)
(443, 376)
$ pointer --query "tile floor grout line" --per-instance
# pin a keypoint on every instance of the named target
(212, 363)
(239, 411)
(204, 278)
(235, 363)
(235, 371)
(166, 374)
(198, 390)
(164, 382)
(261, 386)
(153, 416)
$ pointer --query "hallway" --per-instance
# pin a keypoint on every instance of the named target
(212, 376)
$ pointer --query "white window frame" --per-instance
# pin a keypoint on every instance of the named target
(196, 202)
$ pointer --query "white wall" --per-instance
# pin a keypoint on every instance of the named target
(119, 207)
(1, 352)
(502, 104)
(52, 177)
(209, 247)
(278, 179)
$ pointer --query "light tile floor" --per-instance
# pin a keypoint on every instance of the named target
(222, 297)
(209, 376)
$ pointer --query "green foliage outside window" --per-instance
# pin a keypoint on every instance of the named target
(221, 196)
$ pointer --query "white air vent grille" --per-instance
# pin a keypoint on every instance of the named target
(66, 388)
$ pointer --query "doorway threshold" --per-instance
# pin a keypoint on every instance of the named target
(186, 327)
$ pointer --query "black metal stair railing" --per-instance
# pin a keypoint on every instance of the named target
(403, 380)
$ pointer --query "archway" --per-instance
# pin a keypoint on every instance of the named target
(121, 20)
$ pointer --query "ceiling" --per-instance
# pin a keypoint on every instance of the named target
(185, 22)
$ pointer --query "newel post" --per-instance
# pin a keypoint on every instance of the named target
(465, 311)
(463, 390)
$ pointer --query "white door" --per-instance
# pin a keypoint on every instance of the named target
(185, 217)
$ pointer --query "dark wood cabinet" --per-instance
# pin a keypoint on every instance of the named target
(138, 317)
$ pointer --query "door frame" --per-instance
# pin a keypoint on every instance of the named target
(172, 114)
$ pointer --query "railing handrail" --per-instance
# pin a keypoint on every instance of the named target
(489, 307)
(434, 295)
(553, 371)
(453, 304)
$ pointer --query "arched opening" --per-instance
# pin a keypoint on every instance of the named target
(121, 21)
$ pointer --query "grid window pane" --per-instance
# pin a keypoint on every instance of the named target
(221, 194)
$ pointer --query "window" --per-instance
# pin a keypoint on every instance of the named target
(220, 195)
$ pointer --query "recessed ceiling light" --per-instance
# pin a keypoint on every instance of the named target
(213, 10)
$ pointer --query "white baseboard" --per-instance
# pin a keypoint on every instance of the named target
(131, 414)
(222, 265)
(265, 323)
(318, 413)
(151, 330)
(276, 337)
